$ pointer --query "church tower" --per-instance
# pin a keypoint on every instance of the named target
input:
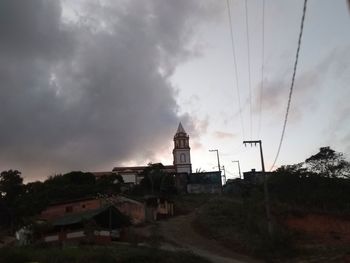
(181, 152)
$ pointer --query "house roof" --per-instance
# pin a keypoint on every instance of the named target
(75, 218)
(122, 198)
(61, 202)
(98, 174)
(205, 178)
(133, 169)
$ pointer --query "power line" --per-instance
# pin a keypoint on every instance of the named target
(292, 84)
(235, 66)
(262, 66)
(250, 88)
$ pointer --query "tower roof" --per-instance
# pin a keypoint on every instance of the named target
(180, 129)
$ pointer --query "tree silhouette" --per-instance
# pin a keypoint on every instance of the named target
(156, 181)
(328, 163)
(11, 185)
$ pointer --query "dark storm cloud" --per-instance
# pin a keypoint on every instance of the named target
(84, 94)
(31, 29)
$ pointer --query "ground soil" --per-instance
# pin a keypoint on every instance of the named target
(179, 231)
(325, 237)
(322, 228)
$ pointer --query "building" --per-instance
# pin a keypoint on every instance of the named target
(134, 209)
(132, 174)
(206, 182)
(255, 177)
(147, 209)
(182, 151)
(181, 161)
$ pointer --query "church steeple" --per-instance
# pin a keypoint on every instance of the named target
(180, 129)
(181, 152)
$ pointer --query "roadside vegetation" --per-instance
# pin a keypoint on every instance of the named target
(116, 254)
(310, 205)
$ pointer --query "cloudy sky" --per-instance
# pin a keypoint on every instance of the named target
(88, 85)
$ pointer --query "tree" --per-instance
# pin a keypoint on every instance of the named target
(328, 163)
(11, 191)
(69, 186)
(34, 198)
(156, 181)
(11, 185)
(109, 184)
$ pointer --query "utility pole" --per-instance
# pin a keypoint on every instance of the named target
(239, 169)
(217, 155)
(266, 190)
(224, 175)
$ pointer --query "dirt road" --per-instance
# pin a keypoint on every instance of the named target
(179, 233)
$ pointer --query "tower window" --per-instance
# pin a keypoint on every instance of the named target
(182, 158)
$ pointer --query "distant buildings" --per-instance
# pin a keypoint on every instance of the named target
(181, 160)
(186, 181)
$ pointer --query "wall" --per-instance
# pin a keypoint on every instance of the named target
(203, 188)
(135, 211)
(59, 210)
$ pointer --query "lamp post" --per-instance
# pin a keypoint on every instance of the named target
(239, 169)
(217, 155)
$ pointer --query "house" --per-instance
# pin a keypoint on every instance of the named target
(255, 177)
(139, 211)
(158, 207)
(99, 225)
(134, 209)
(133, 174)
(206, 182)
(146, 209)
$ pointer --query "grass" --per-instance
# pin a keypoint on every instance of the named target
(91, 254)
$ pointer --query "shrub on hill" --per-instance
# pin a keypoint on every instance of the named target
(310, 191)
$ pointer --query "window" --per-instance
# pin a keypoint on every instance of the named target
(182, 158)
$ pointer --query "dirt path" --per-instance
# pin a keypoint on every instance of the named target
(181, 235)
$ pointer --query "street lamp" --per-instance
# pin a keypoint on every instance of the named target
(239, 168)
(217, 155)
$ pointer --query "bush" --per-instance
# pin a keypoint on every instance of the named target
(311, 192)
(91, 254)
